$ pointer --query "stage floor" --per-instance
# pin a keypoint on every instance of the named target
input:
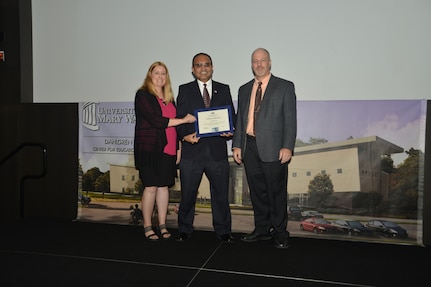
(59, 253)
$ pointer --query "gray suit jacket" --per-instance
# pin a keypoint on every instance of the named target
(276, 122)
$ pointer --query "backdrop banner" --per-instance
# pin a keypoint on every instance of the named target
(357, 165)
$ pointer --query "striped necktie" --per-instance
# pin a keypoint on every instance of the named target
(206, 97)
(257, 101)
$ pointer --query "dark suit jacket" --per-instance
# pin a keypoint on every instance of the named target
(189, 99)
(276, 122)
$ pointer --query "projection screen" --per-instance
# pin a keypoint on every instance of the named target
(100, 50)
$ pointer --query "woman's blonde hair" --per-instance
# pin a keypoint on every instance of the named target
(168, 95)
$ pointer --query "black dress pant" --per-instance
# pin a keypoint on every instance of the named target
(217, 172)
(268, 191)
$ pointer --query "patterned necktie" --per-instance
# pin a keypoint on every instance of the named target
(257, 101)
(206, 97)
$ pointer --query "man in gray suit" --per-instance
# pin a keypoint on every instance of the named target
(264, 139)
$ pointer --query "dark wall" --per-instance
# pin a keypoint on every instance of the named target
(55, 127)
(427, 181)
(16, 72)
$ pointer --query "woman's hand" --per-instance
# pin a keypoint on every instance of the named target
(188, 119)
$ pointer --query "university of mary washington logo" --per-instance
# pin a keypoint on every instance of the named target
(89, 119)
(93, 115)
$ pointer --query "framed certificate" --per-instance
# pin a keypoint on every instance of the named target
(213, 121)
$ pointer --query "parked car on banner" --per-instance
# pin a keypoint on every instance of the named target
(386, 228)
(294, 212)
(311, 213)
(317, 225)
(352, 227)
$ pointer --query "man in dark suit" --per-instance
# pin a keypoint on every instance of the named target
(203, 154)
(264, 139)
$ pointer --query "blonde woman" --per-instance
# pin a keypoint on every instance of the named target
(156, 145)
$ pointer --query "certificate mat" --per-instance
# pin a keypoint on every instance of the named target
(213, 121)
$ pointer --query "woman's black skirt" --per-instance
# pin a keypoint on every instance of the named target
(163, 174)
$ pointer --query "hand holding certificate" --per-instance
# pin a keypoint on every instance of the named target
(213, 121)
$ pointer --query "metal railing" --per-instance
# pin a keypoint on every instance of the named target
(28, 176)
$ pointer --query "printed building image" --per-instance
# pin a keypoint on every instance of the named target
(354, 166)
(123, 180)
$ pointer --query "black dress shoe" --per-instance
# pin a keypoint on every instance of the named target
(226, 238)
(254, 236)
(281, 242)
(181, 237)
